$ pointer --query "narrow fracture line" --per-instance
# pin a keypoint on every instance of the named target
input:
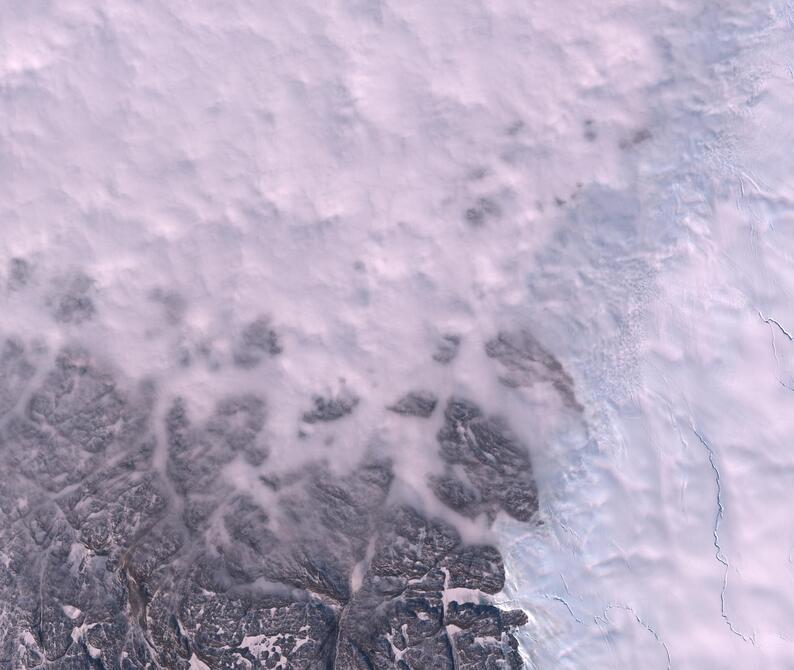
(551, 596)
(718, 553)
(770, 320)
(645, 625)
(774, 348)
(604, 619)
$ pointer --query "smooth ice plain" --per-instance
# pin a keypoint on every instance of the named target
(373, 334)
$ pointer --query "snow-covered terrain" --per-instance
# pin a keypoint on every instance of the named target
(347, 202)
(669, 543)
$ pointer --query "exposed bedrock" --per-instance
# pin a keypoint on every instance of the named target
(125, 546)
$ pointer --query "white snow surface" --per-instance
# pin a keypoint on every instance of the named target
(203, 163)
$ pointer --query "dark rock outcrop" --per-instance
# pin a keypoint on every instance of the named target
(526, 362)
(331, 408)
(488, 467)
(121, 552)
(257, 341)
(447, 349)
(415, 403)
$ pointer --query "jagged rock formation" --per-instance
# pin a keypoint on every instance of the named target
(415, 403)
(331, 408)
(71, 300)
(123, 552)
(257, 340)
(400, 618)
(526, 362)
(488, 468)
(447, 349)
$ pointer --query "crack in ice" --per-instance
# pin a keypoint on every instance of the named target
(560, 599)
(718, 553)
(769, 320)
(772, 322)
(604, 618)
